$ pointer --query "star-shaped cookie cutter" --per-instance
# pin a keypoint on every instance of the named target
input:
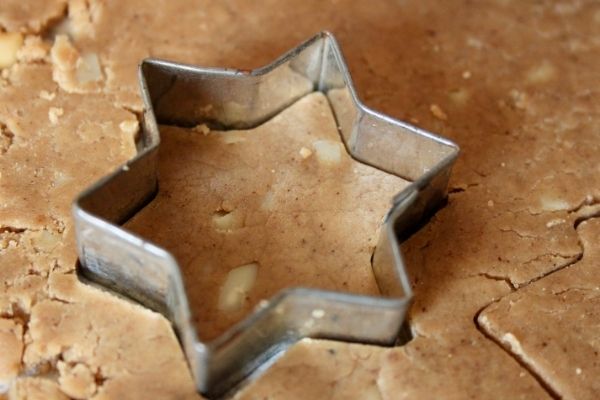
(187, 95)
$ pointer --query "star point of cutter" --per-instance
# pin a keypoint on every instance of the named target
(186, 95)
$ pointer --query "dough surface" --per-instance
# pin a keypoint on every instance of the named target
(513, 82)
(552, 325)
(233, 198)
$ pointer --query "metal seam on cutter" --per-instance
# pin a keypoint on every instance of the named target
(175, 93)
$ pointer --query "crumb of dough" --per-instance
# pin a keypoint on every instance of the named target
(76, 380)
(11, 348)
(30, 16)
(202, 128)
(34, 49)
(83, 17)
(32, 388)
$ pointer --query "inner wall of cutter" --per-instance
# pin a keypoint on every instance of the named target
(234, 100)
(249, 212)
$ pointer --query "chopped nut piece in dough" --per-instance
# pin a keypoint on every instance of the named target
(54, 113)
(130, 127)
(553, 204)
(87, 68)
(438, 112)
(237, 285)
(541, 73)
(328, 152)
(75, 72)
(232, 137)
(305, 152)
(10, 43)
(227, 221)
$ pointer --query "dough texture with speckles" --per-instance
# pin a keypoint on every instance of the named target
(512, 82)
(228, 199)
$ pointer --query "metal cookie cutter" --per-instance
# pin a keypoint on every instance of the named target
(187, 95)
